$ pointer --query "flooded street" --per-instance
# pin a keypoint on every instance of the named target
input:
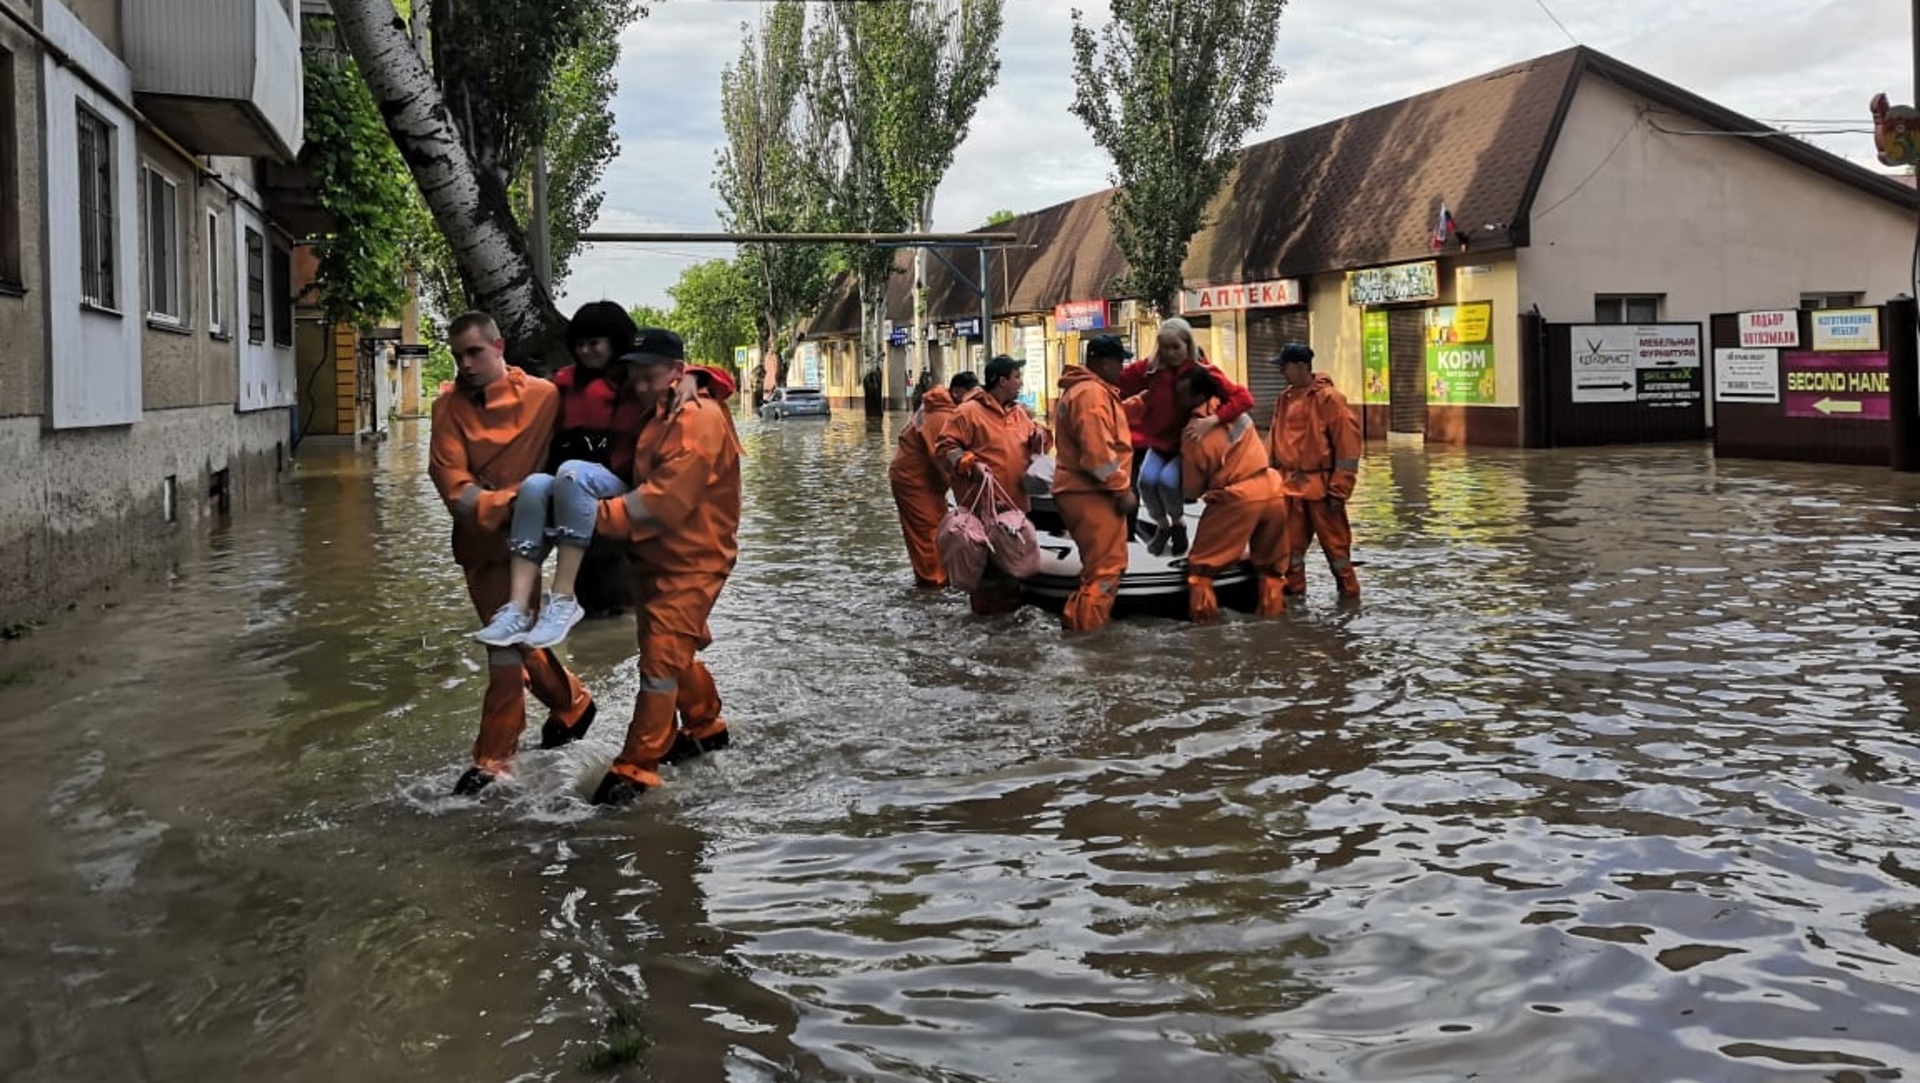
(1613, 776)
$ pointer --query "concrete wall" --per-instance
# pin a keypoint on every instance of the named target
(78, 507)
(23, 364)
(187, 364)
(1715, 224)
(85, 490)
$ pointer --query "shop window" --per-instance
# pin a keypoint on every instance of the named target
(1829, 300)
(97, 233)
(1627, 308)
(163, 246)
(282, 296)
(9, 178)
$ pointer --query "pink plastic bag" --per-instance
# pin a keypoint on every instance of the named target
(1016, 550)
(964, 548)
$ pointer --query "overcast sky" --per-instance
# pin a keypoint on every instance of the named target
(1786, 60)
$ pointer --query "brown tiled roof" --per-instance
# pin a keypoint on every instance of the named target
(1360, 191)
(1367, 189)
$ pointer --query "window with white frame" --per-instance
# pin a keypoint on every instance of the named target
(1829, 300)
(98, 272)
(1626, 308)
(216, 282)
(164, 250)
(256, 287)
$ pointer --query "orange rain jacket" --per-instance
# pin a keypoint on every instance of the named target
(1316, 441)
(984, 433)
(492, 438)
(914, 460)
(1095, 453)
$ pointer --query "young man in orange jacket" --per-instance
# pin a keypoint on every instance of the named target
(1316, 447)
(489, 433)
(1094, 462)
(1225, 467)
(919, 479)
(683, 517)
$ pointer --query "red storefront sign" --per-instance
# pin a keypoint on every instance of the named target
(1280, 293)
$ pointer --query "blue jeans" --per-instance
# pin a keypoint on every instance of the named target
(560, 508)
(1160, 487)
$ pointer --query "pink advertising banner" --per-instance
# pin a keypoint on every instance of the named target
(1847, 386)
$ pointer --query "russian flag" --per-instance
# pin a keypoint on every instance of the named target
(1443, 229)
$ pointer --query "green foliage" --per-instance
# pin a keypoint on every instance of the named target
(713, 310)
(360, 181)
(1168, 89)
(999, 218)
(765, 175)
(649, 316)
(894, 85)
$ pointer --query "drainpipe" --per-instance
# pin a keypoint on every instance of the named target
(1903, 329)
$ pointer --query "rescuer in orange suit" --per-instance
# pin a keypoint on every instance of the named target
(1316, 448)
(492, 430)
(1091, 481)
(920, 482)
(1226, 468)
(991, 436)
(683, 517)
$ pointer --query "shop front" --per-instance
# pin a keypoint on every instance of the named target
(1247, 324)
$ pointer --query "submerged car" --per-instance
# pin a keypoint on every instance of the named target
(795, 402)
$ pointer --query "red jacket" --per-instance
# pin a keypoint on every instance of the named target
(598, 421)
(1156, 421)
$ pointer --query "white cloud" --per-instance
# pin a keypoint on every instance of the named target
(1773, 59)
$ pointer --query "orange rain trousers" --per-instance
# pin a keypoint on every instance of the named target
(1327, 520)
(921, 509)
(673, 682)
(1249, 517)
(511, 671)
(1099, 531)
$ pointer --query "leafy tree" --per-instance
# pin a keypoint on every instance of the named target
(1168, 89)
(465, 128)
(896, 82)
(999, 218)
(649, 316)
(713, 307)
(763, 173)
(360, 182)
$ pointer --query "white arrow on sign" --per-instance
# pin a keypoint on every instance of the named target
(1840, 406)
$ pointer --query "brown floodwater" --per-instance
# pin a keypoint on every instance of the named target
(1612, 777)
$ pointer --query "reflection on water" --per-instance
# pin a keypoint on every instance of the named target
(1612, 777)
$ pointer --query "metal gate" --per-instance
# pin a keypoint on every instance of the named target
(1267, 331)
(1407, 369)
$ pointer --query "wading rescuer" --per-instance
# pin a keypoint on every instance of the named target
(683, 516)
(1316, 447)
(1092, 479)
(1226, 467)
(919, 479)
(492, 430)
(991, 436)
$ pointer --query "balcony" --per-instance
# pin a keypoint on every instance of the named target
(220, 76)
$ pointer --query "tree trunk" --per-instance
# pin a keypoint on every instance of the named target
(469, 205)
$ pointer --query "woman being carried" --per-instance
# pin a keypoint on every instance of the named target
(1158, 421)
(600, 420)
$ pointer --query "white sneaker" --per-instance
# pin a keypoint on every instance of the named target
(557, 618)
(508, 627)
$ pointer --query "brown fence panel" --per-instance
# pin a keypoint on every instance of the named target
(1596, 394)
(1783, 429)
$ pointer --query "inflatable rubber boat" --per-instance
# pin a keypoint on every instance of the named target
(1153, 586)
